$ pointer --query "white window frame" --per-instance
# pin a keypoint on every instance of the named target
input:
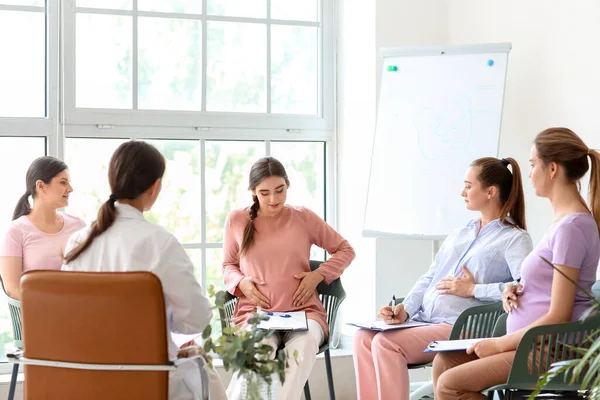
(324, 121)
(40, 126)
(46, 127)
(63, 120)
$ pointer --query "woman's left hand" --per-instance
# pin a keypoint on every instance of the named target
(463, 287)
(308, 284)
(485, 348)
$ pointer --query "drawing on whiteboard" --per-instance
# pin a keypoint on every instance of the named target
(443, 128)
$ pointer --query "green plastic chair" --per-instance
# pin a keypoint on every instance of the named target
(331, 295)
(473, 323)
(522, 380)
(14, 307)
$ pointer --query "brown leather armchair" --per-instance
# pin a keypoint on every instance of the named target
(94, 335)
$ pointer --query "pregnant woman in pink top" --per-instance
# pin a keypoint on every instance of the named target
(559, 159)
(267, 251)
(37, 236)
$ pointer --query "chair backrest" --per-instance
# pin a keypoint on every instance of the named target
(331, 295)
(14, 307)
(96, 318)
(546, 345)
(477, 322)
(500, 328)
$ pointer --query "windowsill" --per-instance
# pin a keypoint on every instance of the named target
(5, 378)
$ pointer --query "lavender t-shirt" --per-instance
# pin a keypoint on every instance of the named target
(572, 242)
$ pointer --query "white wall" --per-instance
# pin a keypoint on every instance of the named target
(553, 77)
(356, 90)
(364, 28)
(552, 80)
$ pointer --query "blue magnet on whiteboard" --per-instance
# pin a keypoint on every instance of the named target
(490, 63)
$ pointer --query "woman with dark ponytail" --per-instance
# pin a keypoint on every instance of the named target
(267, 249)
(545, 295)
(122, 240)
(471, 268)
(37, 236)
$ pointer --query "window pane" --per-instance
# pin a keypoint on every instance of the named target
(178, 206)
(294, 69)
(227, 168)
(103, 76)
(214, 261)
(238, 8)
(16, 153)
(298, 10)
(172, 6)
(236, 70)
(90, 184)
(170, 64)
(196, 257)
(214, 269)
(23, 72)
(304, 163)
(110, 4)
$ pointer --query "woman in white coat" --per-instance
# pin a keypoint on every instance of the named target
(122, 240)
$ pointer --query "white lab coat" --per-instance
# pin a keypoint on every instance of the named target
(134, 244)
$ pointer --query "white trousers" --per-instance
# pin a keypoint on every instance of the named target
(187, 385)
(306, 344)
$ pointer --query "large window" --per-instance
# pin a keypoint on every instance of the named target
(198, 59)
(214, 84)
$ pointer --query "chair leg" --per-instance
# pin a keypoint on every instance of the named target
(13, 382)
(329, 375)
(306, 391)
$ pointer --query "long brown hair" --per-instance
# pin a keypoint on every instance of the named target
(134, 167)
(495, 172)
(261, 169)
(564, 147)
(41, 169)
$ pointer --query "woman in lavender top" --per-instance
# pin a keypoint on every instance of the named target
(559, 159)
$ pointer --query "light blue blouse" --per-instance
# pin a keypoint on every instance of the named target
(494, 256)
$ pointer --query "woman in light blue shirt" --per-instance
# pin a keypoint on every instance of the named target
(470, 269)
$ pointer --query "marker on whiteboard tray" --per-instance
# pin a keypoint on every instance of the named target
(490, 63)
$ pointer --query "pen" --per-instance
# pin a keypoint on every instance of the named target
(393, 306)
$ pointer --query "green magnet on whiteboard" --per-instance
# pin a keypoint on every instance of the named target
(392, 68)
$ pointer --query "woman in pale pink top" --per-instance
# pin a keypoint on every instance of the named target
(37, 236)
(266, 264)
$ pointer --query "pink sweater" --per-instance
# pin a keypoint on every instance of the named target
(281, 250)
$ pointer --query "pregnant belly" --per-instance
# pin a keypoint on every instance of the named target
(280, 292)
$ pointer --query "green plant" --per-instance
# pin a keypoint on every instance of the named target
(586, 368)
(244, 351)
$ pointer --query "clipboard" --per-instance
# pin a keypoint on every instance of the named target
(284, 321)
(381, 326)
(438, 346)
